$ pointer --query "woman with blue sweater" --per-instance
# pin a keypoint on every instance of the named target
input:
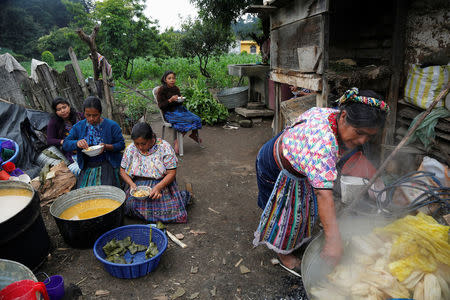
(102, 169)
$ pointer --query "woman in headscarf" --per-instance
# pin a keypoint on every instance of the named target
(102, 169)
(297, 168)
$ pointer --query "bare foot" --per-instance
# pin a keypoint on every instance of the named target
(195, 137)
(176, 147)
(289, 260)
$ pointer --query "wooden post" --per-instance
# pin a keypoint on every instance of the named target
(90, 41)
(277, 120)
(106, 92)
(398, 49)
(76, 67)
(322, 98)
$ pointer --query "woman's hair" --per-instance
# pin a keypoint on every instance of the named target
(142, 130)
(163, 78)
(93, 102)
(59, 121)
(361, 115)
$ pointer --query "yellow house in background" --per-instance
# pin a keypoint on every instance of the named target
(250, 47)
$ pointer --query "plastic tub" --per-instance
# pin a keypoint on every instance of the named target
(233, 97)
(140, 235)
(351, 187)
(16, 151)
(12, 271)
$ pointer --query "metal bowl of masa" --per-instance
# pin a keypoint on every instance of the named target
(141, 192)
(84, 214)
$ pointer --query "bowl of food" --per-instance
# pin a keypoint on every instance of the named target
(93, 150)
(181, 99)
(141, 192)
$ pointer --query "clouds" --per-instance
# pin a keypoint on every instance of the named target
(170, 13)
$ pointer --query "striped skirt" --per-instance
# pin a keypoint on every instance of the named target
(183, 120)
(98, 173)
(289, 215)
(171, 207)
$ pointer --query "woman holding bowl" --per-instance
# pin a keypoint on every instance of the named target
(152, 162)
(102, 168)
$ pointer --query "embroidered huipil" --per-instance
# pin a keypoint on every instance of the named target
(161, 158)
(311, 147)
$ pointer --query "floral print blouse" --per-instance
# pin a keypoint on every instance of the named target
(154, 165)
(312, 147)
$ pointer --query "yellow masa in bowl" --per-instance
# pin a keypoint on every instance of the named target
(89, 209)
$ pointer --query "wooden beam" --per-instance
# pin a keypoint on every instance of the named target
(398, 50)
(322, 98)
(260, 9)
(76, 67)
(307, 81)
(278, 117)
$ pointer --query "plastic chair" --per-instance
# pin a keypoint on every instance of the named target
(176, 134)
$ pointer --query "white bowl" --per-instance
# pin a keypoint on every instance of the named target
(141, 188)
(93, 150)
(181, 99)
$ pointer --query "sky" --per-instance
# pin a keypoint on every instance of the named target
(169, 13)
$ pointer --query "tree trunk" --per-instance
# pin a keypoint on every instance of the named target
(90, 41)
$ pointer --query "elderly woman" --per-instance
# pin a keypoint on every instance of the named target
(152, 162)
(102, 169)
(61, 123)
(296, 170)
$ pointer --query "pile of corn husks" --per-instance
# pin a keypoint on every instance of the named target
(409, 258)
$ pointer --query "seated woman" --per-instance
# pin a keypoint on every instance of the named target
(102, 169)
(61, 123)
(152, 162)
(174, 112)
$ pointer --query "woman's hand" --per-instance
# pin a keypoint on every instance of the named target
(155, 193)
(332, 250)
(82, 144)
(132, 185)
(174, 98)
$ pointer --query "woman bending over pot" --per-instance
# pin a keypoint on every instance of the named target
(297, 168)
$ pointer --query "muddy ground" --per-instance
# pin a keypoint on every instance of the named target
(224, 183)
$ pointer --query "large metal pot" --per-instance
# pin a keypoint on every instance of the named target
(313, 267)
(84, 233)
(23, 236)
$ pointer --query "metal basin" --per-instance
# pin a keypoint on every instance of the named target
(313, 267)
(84, 233)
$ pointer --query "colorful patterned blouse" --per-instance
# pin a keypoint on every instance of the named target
(312, 148)
(161, 157)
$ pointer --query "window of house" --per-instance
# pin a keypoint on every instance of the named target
(252, 49)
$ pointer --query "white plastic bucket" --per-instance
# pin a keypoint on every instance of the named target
(351, 187)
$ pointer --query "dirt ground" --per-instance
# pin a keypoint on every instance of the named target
(224, 183)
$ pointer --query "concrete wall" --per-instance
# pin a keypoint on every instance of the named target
(427, 29)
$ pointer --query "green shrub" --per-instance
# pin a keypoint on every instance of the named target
(48, 57)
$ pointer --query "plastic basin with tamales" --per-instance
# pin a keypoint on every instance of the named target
(137, 264)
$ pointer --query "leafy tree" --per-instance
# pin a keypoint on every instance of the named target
(48, 57)
(223, 11)
(170, 43)
(59, 40)
(205, 39)
(125, 33)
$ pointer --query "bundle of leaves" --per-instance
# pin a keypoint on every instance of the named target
(116, 249)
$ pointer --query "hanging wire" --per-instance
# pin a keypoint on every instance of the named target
(419, 181)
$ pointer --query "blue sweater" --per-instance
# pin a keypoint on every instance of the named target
(111, 134)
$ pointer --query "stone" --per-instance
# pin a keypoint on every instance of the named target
(245, 123)
(256, 105)
(256, 120)
(254, 113)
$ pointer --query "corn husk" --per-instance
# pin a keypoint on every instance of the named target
(431, 287)
(445, 289)
(413, 279)
(418, 291)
